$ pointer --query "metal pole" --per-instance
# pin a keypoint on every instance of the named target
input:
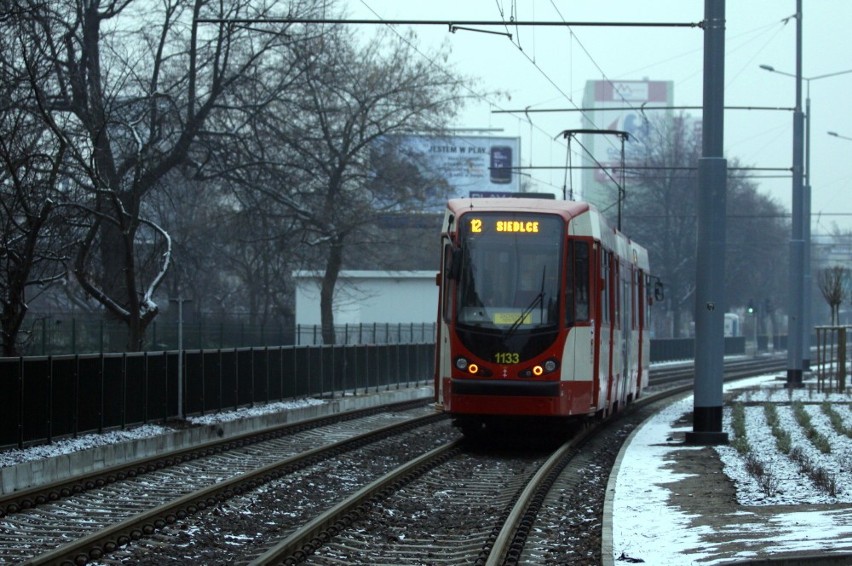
(710, 271)
(807, 279)
(797, 269)
(180, 301)
(806, 213)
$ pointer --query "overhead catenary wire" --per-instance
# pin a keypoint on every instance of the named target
(474, 93)
(442, 22)
(513, 21)
(450, 24)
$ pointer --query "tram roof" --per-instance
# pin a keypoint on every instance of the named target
(572, 208)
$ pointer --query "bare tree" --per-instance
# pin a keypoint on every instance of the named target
(132, 88)
(660, 213)
(833, 284)
(758, 230)
(659, 209)
(32, 253)
(351, 102)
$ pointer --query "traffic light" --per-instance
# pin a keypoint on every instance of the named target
(750, 307)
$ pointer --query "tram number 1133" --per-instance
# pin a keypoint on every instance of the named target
(507, 358)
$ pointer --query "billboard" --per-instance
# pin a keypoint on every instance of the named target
(616, 105)
(470, 164)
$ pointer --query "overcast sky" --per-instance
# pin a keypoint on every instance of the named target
(552, 65)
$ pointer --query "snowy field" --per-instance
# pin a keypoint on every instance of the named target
(646, 526)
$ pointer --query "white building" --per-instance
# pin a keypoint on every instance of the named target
(369, 298)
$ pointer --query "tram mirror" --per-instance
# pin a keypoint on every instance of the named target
(453, 266)
(659, 295)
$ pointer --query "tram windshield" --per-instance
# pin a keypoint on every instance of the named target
(509, 273)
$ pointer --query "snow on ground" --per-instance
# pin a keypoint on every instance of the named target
(644, 525)
(86, 441)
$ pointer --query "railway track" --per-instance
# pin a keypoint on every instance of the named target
(77, 522)
(486, 518)
(39, 495)
(400, 499)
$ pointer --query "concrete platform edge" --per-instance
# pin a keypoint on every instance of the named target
(44, 471)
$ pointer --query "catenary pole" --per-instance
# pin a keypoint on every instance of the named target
(710, 266)
(807, 286)
(795, 326)
(807, 280)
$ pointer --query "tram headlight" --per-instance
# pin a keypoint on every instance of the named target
(549, 366)
(471, 368)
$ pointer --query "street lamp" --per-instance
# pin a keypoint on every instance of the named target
(805, 304)
(835, 134)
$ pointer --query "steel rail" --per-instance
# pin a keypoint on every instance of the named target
(317, 532)
(27, 499)
(98, 544)
(299, 545)
(509, 543)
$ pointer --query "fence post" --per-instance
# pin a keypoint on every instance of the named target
(334, 369)
(219, 392)
(252, 383)
(820, 358)
(236, 379)
(49, 422)
(841, 359)
(101, 393)
(76, 425)
(21, 402)
(165, 396)
(123, 390)
(322, 370)
(145, 389)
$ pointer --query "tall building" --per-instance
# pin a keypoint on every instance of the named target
(622, 106)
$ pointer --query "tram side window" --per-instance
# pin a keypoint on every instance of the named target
(604, 271)
(577, 287)
(581, 271)
(446, 296)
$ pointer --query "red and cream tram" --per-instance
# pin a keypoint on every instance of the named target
(542, 312)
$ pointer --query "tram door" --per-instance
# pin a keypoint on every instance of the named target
(626, 329)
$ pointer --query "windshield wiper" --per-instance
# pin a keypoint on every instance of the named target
(537, 300)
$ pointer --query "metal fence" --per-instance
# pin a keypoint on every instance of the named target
(50, 396)
(370, 333)
(59, 334)
(671, 349)
(832, 349)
